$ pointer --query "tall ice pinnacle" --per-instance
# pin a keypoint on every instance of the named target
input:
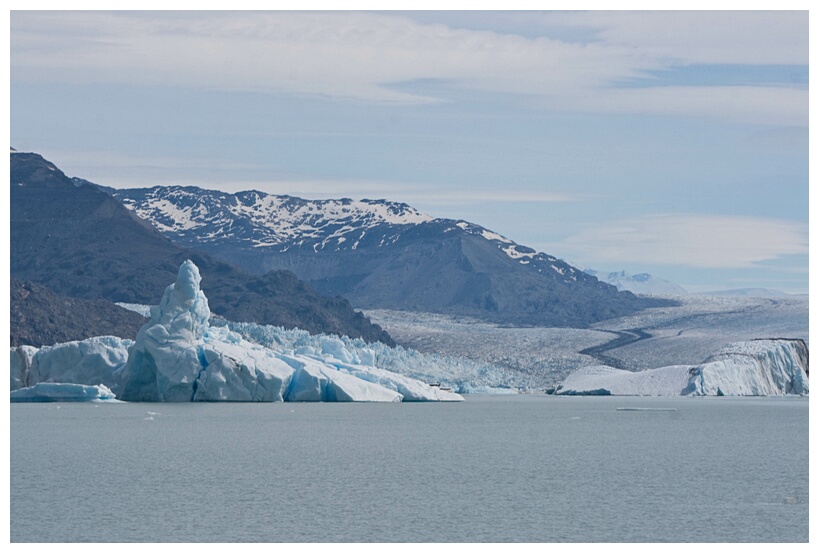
(167, 358)
(183, 313)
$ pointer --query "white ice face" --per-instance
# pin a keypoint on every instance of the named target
(89, 362)
(755, 368)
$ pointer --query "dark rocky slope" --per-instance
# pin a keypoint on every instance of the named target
(81, 242)
(39, 317)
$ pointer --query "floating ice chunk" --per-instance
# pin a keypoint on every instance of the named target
(50, 391)
(90, 362)
(755, 368)
(605, 380)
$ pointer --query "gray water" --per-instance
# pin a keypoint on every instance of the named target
(499, 469)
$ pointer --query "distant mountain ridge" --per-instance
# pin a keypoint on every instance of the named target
(80, 242)
(641, 283)
(647, 284)
(383, 254)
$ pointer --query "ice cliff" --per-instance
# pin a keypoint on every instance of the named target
(179, 357)
(755, 368)
(92, 361)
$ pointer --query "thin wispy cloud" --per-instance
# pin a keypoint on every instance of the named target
(691, 37)
(363, 56)
(125, 171)
(741, 104)
(706, 241)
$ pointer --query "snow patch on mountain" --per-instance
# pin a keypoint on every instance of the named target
(518, 252)
(263, 220)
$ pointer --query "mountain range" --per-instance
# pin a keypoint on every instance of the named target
(383, 254)
(79, 242)
(640, 283)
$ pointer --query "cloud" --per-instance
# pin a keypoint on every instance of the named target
(698, 37)
(742, 104)
(342, 54)
(129, 170)
(363, 56)
(703, 241)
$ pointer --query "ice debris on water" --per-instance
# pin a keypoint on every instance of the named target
(52, 392)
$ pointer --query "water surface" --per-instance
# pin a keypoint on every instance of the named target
(500, 469)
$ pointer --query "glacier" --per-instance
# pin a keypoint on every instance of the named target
(768, 367)
(179, 357)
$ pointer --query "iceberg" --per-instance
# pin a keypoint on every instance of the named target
(174, 357)
(92, 361)
(178, 356)
(754, 368)
(50, 392)
(602, 380)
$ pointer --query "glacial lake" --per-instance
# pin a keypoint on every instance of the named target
(491, 469)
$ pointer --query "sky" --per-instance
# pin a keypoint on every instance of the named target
(674, 143)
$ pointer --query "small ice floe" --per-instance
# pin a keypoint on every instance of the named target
(575, 418)
(48, 392)
(148, 419)
(646, 408)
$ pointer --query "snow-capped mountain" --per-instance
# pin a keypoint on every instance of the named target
(78, 241)
(641, 283)
(250, 220)
(258, 220)
(382, 254)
